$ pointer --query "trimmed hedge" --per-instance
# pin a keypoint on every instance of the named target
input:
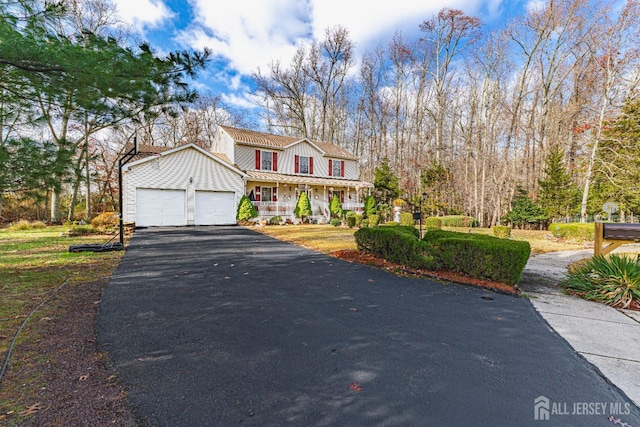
(350, 218)
(396, 244)
(458, 221)
(479, 255)
(575, 230)
(404, 228)
(406, 218)
(432, 223)
(374, 220)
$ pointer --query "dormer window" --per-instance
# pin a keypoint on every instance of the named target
(303, 164)
(266, 160)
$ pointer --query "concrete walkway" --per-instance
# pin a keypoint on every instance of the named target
(609, 338)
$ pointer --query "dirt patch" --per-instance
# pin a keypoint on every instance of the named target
(449, 276)
(61, 378)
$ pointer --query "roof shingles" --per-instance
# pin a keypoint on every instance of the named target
(244, 136)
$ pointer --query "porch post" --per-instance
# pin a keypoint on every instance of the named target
(277, 198)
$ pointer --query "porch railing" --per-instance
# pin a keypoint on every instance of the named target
(270, 209)
(285, 209)
(352, 206)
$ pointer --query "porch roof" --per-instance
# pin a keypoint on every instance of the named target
(309, 180)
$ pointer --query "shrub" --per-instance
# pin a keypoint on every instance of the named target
(21, 225)
(391, 223)
(358, 218)
(458, 221)
(364, 223)
(406, 218)
(432, 223)
(351, 219)
(303, 207)
(336, 222)
(370, 206)
(105, 220)
(410, 229)
(38, 225)
(576, 231)
(502, 231)
(275, 220)
(81, 230)
(335, 207)
(479, 255)
(395, 245)
(374, 220)
(614, 280)
(246, 210)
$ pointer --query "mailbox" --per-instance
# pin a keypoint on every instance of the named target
(417, 216)
(615, 235)
(621, 231)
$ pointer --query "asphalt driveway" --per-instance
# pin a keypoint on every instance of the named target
(219, 326)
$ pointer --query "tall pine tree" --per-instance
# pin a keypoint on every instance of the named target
(559, 195)
(617, 167)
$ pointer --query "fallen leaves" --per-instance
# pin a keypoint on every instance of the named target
(36, 407)
(355, 387)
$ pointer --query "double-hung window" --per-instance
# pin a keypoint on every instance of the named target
(336, 168)
(266, 160)
(303, 164)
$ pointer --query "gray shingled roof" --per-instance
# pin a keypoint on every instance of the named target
(250, 137)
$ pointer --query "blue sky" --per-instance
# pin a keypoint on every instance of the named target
(247, 34)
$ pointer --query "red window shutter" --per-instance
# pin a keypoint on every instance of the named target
(310, 165)
(296, 164)
(330, 167)
(274, 191)
(342, 168)
(258, 160)
(275, 161)
(257, 194)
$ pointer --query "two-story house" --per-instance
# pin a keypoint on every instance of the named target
(279, 168)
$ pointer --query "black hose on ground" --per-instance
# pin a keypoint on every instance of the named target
(24, 322)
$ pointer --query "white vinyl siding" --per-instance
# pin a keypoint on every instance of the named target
(188, 170)
(245, 156)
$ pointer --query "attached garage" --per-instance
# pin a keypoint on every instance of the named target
(157, 207)
(215, 208)
(182, 186)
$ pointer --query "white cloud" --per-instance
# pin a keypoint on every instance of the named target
(366, 20)
(535, 5)
(244, 100)
(143, 13)
(253, 33)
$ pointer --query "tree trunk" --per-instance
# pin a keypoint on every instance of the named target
(55, 206)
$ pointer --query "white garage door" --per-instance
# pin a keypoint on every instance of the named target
(215, 208)
(155, 207)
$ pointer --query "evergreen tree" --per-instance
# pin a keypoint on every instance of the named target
(370, 206)
(617, 167)
(559, 195)
(435, 179)
(524, 212)
(246, 210)
(303, 207)
(385, 183)
(335, 207)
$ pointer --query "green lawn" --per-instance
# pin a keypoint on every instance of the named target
(33, 263)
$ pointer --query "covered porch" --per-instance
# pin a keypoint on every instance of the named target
(276, 194)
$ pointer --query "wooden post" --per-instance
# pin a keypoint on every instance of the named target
(599, 237)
